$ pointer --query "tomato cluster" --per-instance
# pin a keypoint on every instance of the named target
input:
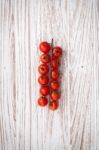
(43, 70)
(49, 71)
(55, 74)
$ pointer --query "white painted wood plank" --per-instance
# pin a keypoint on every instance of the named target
(74, 25)
(84, 67)
(24, 125)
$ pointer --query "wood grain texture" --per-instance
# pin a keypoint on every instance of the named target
(74, 25)
(84, 74)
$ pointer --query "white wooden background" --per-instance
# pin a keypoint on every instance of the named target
(74, 25)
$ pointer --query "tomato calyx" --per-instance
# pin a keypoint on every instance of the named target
(45, 58)
(57, 51)
(43, 69)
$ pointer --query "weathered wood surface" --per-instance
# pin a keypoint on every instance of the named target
(74, 25)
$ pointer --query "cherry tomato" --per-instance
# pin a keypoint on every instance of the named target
(55, 95)
(45, 58)
(55, 74)
(57, 51)
(42, 101)
(53, 105)
(55, 62)
(44, 90)
(43, 69)
(44, 47)
(55, 85)
(43, 79)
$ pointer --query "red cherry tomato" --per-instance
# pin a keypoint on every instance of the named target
(55, 74)
(44, 90)
(42, 101)
(43, 69)
(55, 62)
(44, 47)
(55, 95)
(55, 85)
(45, 58)
(43, 79)
(57, 51)
(53, 105)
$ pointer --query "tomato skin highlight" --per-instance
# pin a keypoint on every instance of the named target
(55, 95)
(44, 90)
(44, 47)
(55, 74)
(43, 69)
(42, 101)
(53, 105)
(45, 58)
(55, 63)
(55, 85)
(57, 51)
(43, 79)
